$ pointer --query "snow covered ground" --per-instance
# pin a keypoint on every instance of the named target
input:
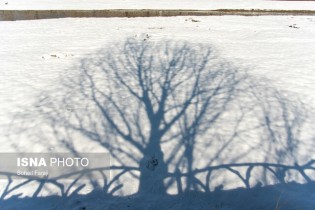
(267, 46)
(278, 49)
(154, 4)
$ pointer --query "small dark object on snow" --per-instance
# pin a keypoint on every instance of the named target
(294, 26)
(152, 163)
(6, 3)
(146, 37)
(192, 20)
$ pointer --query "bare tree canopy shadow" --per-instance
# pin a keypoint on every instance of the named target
(175, 119)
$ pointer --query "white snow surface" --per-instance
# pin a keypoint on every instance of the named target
(154, 4)
(35, 53)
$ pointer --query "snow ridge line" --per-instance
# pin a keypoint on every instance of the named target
(12, 15)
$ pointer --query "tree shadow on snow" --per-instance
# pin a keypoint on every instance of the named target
(184, 131)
